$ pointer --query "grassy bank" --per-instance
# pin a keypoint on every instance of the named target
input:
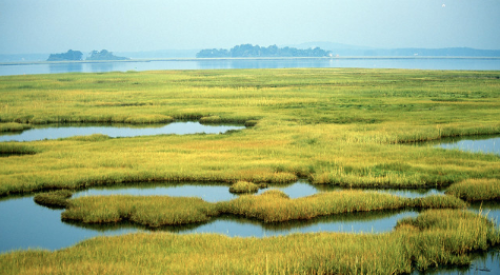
(151, 211)
(13, 127)
(476, 189)
(436, 237)
(271, 206)
(56, 199)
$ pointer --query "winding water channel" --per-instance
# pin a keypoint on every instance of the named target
(55, 131)
(28, 225)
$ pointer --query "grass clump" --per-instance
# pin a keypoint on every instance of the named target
(476, 189)
(274, 206)
(210, 120)
(57, 199)
(251, 123)
(13, 127)
(438, 201)
(467, 232)
(270, 206)
(151, 211)
(241, 187)
(16, 149)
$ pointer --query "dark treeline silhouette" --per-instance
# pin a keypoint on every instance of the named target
(104, 55)
(70, 55)
(248, 50)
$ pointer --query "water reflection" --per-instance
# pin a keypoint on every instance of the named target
(361, 222)
(207, 191)
(55, 131)
(474, 144)
(179, 64)
(69, 67)
(28, 225)
(214, 192)
(102, 67)
(477, 144)
(263, 64)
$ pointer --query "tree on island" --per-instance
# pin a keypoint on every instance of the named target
(104, 55)
(248, 50)
(70, 55)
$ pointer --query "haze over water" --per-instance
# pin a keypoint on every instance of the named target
(424, 64)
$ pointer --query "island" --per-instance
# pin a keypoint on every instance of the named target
(248, 50)
(104, 55)
(70, 55)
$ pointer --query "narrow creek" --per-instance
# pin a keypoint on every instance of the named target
(55, 131)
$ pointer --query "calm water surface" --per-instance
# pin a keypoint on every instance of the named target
(208, 192)
(115, 130)
(28, 225)
(220, 192)
(480, 144)
(428, 64)
(486, 144)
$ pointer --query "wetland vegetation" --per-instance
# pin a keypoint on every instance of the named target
(241, 187)
(435, 237)
(335, 127)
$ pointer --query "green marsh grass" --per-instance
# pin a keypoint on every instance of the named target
(339, 127)
(434, 238)
(241, 187)
(151, 211)
(11, 148)
(275, 206)
(14, 127)
(269, 207)
(56, 199)
(476, 189)
(343, 127)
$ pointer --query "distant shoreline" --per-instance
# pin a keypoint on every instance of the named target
(248, 58)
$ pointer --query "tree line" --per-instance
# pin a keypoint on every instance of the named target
(71, 55)
(248, 50)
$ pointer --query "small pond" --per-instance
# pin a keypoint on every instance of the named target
(220, 192)
(55, 131)
(476, 144)
(28, 225)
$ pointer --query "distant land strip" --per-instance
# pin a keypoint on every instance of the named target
(249, 58)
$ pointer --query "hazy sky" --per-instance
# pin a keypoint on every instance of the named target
(36, 26)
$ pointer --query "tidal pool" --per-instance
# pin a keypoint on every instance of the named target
(28, 225)
(55, 131)
(207, 191)
(220, 192)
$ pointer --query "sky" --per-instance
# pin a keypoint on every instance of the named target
(50, 26)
